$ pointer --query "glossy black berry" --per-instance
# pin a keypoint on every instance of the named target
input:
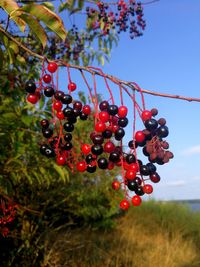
(49, 91)
(114, 156)
(67, 137)
(77, 105)
(58, 95)
(68, 111)
(132, 185)
(47, 133)
(144, 170)
(131, 144)
(91, 168)
(144, 150)
(103, 106)
(69, 127)
(151, 167)
(123, 122)
(102, 163)
(77, 112)
(130, 158)
(83, 116)
(97, 149)
(119, 134)
(49, 152)
(107, 134)
(66, 99)
(30, 87)
(151, 124)
(139, 191)
(162, 131)
(112, 110)
(44, 123)
(67, 146)
(72, 119)
(89, 158)
(43, 147)
(98, 139)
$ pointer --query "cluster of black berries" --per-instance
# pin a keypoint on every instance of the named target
(103, 19)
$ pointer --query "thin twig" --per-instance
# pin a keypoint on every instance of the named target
(99, 73)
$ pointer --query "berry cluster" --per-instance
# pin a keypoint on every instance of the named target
(105, 19)
(7, 215)
(105, 149)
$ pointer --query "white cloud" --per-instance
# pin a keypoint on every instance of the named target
(192, 150)
(196, 178)
(176, 183)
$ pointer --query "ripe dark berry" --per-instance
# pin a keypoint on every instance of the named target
(52, 67)
(49, 91)
(107, 134)
(155, 177)
(58, 95)
(114, 156)
(103, 106)
(132, 185)
(97, 149)
(68, 112)
(151, 167)
(67, 146)
(72, 86)
(30, 87)
(67, 137)
(139, 191)
(162, 131)
(44, 123)
(151, 124)
(77, 105)
(144, 170)
(102, 163)
(47, 133)
(83, 116)
(72, 119)
(97, 139)
(69, 127)
(43, 147)
(130, 158)
(47, 78)
(123, 122)
(91, 168)
(154, 112)
(89, 158)
(112, 110)
(49, 152)
(66, 99)
(162, 121)
(119, 134)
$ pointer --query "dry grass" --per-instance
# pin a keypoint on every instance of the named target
(131, 244)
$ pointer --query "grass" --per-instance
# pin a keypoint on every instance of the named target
(155, 234)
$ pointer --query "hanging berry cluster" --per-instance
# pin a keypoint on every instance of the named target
(106, 149)
(127, 16)
(7, 215)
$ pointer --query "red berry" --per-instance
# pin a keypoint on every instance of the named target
(109, 147)
(32, 98)
(52, 67)
(122, 111)
(57, 105)
(86, 110)
(130, 174)
(155, 177)
(146, 115)
(134, 167)
(116, 185)
(86, 149)
(72, 86)
(60, 115)
(81, 166)
(47, 78)
(125, 165)
(61, 160)
(147, 188)
(136, 200)
(100, 127)
(114, 128)
(104, 116)
(124, 204)
(111, 165)
(139, 136)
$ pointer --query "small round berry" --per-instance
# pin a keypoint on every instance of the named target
(44, 123)
(47, 78)
(47, 133)
(32, 98)
(107, 134)
(103, 106)
(97, 149)
(57, 105)
(139, 191)
(162, 121)
(60, 115)
(30, 87)
(72, 86)
(130, 158)
(148, 189)
(58, 95)
(52, 67)
(162, 131)
(86, 109)
(67, 137)
(100, 127)
(136, 200)
(102, 163)
(43, 147)
(85, 148)
(109, 147)
(66, 99)
(112, 110)
(61, 160)
(151, 124)
(77, 105)
(155, 177)
(49, 91)
(97, 139)
(89, 158)
(146, 115)
(116, 185)
(123, 122)
(68, 112)
(91, 168)
(122, 111)
(67, 146)
(83, 116)
(144, 170)
(81, 166)
(114, 156)
(132, 184)
(104, 116)
(139, 136)
(133, 167)
(124, 204)
(130, 174)
(119, 134)
(154, 112)
(69, 127)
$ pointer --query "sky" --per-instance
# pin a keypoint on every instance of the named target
(166, 59)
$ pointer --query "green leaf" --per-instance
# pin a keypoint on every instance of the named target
(9, 6)
(49, 6)
(36, 28)
(80, 4)
(63, 173)
(49, 18)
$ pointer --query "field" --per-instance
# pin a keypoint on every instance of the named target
(155, 234)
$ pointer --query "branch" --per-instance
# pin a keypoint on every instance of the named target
(96, 71)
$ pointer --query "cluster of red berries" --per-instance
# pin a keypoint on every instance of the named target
(106, 148)
(7, 216)
(104, 19)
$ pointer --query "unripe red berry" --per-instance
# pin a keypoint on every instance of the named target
(32, 98)
(109, 147)
(116, 185)
(139, 136)
(72, 86)
(147, 188)
(100, 127)
(130, 174)
(122, 111)
(52, 67)
(134, 167)
(60, 115)
(146, 115)
(124, 204)
(136, 200)
(86, 149)
(57, 105)
(61, 160)
(104, 116)
(47, 78)
(81, 166)
(86, 110)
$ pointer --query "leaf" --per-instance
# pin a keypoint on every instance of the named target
(49, 18)
(9, 6)
(69, 4)
(36, 28)
(81, 4)
(49, 5)
(64, 175)
(21, 60)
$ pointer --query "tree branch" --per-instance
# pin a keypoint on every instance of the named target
(96, 71)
